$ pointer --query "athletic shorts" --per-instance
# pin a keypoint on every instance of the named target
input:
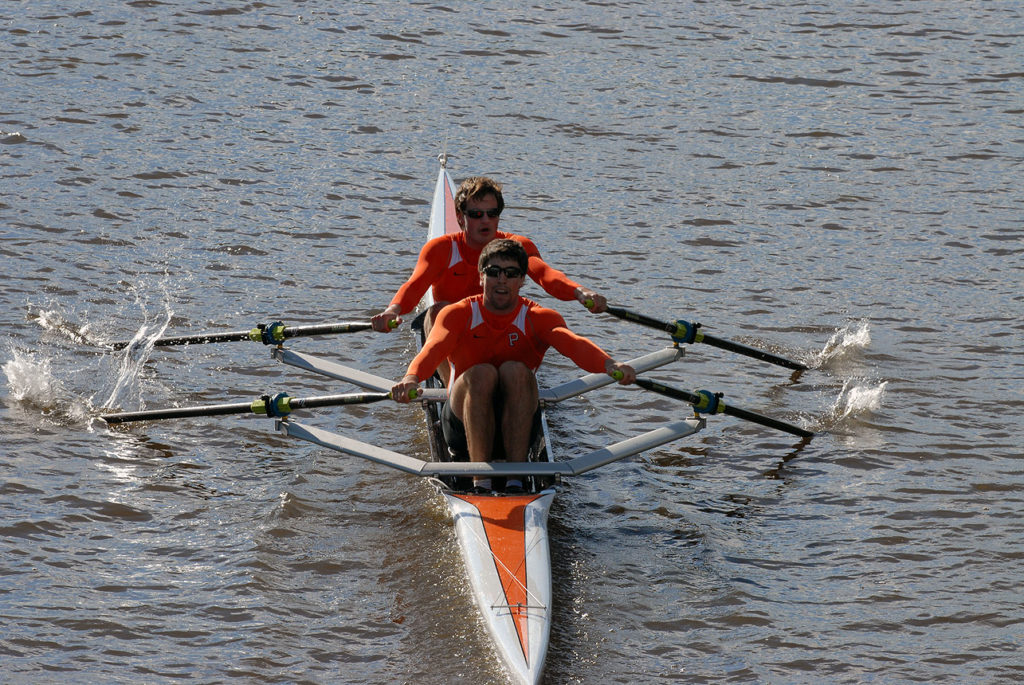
(455, 432)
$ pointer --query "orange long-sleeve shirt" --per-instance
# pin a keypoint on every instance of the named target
(467, 334)
(449, 265)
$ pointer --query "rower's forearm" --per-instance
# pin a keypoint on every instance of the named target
(553, 281)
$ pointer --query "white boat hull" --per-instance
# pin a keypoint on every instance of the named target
(503, 538)
(504, 542)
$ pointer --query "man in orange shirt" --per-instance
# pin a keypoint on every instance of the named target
(494, 343)
(448, 263)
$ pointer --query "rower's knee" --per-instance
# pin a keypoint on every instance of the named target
(482, 377)
(515, 372)
(432, 312)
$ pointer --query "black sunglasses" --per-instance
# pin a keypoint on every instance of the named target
(509, 271)
(478, 213)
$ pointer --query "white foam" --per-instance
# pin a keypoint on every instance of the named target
(853, 337)
(30, 379)
(858, 397)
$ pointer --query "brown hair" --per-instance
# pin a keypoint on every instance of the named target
(506, 248)
(477, 187)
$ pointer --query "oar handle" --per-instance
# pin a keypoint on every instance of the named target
(267, 405)
(705, 401)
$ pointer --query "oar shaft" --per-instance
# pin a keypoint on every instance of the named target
(338, 400)
(642, 319)
(190, 339)
(766, 421)
(745, 350)
(267, 334)
(682, 329)
(667, 391)
(277, 405)
(326, 329)
(700, 401)
(178, 413)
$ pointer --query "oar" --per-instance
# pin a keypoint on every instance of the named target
(708, 402)
(277, 405)
(686, 332)
(266, 333)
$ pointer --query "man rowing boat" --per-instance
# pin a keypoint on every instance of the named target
(448, 263)
(494, 342)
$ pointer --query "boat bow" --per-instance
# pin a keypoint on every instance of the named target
(504, 544)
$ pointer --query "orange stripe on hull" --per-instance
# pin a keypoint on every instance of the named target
(504, 520)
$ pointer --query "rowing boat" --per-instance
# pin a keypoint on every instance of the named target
(503, 537)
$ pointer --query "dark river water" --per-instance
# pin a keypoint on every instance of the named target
(838, 183)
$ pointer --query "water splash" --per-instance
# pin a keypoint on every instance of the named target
(31, 382)
(858, 397)
(114, 377)
(31, 379)
(133, 358)
(847, 341)
(53, 321)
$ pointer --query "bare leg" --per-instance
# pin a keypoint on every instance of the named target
(472, 401)
(519, 389)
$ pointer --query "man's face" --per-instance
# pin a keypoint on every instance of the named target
(501, 291)
(480, 227)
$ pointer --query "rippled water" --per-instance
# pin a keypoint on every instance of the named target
(835, 182)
